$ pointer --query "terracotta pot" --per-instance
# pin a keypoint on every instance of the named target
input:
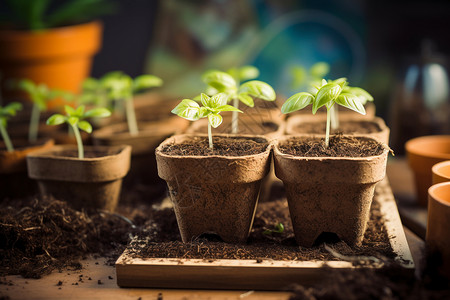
(422, 153)
(438, 234)
(294, 126)
(13, 168)
(59, 57)
(213, 194)
(90, 183)
(440, 172)
(143, 162)
(329, 194)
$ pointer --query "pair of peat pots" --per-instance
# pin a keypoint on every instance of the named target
(218, 194)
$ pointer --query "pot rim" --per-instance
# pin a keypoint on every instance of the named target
(59, 29)
(183, 136)
(417, 146)
(438, 168)
(277, 151)
(432, 193)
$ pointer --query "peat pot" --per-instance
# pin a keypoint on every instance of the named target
(14, 181)
(90, 183)
(329, 194)
(438, 234)
(422, 153)
(214, 194)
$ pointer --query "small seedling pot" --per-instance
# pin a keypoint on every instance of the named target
(422, 153)
(438, 224)
(441, 172)
(329, 194)
(90, 183)
(381, 131)
(14, 181)
(213, 194)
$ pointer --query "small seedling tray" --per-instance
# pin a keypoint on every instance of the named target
(253, 274)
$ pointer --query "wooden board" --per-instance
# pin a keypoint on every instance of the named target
(250, 274)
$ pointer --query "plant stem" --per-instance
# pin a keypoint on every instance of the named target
(210, 137)
(334, 117)
(131, 116)
(6, 139)
(235, 116)
(76, 131)
(327, 131)
(34, 123)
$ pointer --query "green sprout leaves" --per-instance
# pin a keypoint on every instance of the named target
(75, 118)
(297, 102)
(279, 228)
(6, 112)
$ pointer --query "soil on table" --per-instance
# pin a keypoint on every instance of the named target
(339, 146)
(226, 146)
(345, 127)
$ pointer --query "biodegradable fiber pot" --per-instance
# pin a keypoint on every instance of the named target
(92, 183)
(438, 234)
(213, 194)
(329, 194)
(422, 153)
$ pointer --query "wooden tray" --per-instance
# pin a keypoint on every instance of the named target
(250, 274)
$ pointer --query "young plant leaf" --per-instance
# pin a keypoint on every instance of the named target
(247, 73)
(221, 81)
(83, 125)
(297, 102)
(215, 120)
(56, 119)
(214, 101)
(351, 101)
(143, 82)
(246, 99)
(79, 111)
(362, 94)
(326, 95)
(228, 108)
(69, 110)
(258, 89)
(187, 109)
(72, 120)
(99, 112)
(319, 70)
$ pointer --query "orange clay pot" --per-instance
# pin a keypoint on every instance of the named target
(441, 172)
(59, 57)
(438, 235)
(422, 153)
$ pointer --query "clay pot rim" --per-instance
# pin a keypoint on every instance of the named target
(185, 136)
(52, 152)
(432, 195)
(277, 151)
(437, 169)
(416, 146)
(59, 30)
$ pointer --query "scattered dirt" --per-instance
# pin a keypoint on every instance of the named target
(339, 146)
(227, 146)
(345, 127)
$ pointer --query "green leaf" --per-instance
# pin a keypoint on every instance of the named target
(228, 108)
(203, 112)
(90, 84)
(79, 111)
(3, 122)
(12, 108)
(215, 120)
(98, 112)
(72, 120)
(187, 109)
(362, 94)
(221, 81)
(351, 101)
(299, 74)
(69, 110)
(27, 86)
(319, 70)
(246, 99)
(247, 73)
(143, 82)
(326, 96)
(84, 125)
(297, 102)
(341, 81)
(258, 89)
(56, 119)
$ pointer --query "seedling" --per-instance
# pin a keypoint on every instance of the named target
(211, 109)
(123, 87)
(75, 118)
(303, 77)
(328, 94)
(279, 228)
(229, 83)
(6, 112)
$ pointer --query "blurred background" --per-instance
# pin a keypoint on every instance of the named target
(397, 50)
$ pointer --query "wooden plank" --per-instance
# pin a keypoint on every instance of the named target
(249, 274)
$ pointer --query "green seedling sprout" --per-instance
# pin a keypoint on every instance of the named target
(6, 112)
(279, 228)
(211, 109)
(230, 83)
(303, 77)
(75, 118)
(328, 94)
(123, 87)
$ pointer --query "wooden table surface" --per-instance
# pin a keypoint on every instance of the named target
(98, 281)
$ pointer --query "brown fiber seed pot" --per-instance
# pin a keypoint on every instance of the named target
(213, 194)
(329, 194)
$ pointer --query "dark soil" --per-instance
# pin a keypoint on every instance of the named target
(345, 127)
(226, 146)
(339, 146)
(245, 127)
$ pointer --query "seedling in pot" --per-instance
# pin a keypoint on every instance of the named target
(279, 228)
(230, 84)
(6, 112)
(328, 94)
(123, 87)
(303, 77)
(75, 118)
(211, 109)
